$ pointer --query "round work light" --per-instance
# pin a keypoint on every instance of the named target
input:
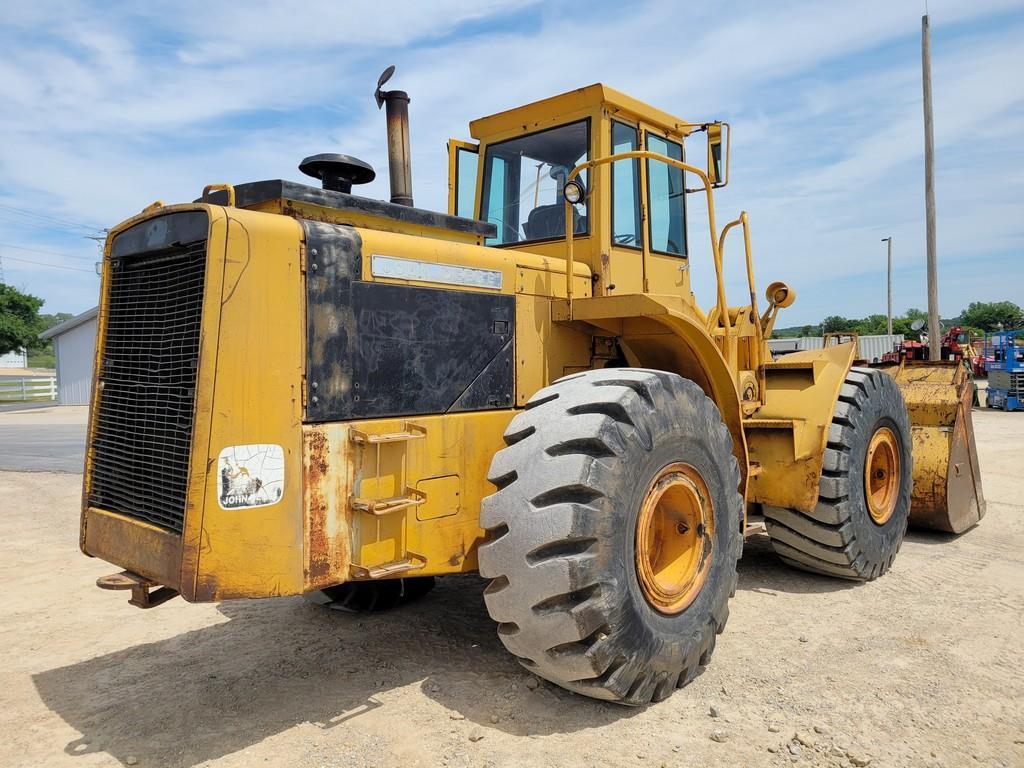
(574, 191)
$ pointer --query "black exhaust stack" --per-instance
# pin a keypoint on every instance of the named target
(399, 158)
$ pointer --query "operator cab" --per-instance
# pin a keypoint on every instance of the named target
(515, 174)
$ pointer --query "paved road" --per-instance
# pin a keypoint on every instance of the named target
(43, 439)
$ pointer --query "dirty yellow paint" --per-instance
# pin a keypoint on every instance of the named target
(385, 498)
(787, 436)
(255, 396)
(947, 491)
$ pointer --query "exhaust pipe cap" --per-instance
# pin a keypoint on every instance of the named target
(337, 172)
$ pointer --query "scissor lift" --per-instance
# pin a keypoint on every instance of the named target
(1005, 370)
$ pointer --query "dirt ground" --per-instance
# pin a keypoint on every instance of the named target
(920, 668)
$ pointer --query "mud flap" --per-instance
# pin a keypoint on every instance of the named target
(947, 494)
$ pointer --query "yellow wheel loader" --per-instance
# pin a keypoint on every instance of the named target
(299, 390)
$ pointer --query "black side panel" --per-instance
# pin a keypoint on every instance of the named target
(419, 349)
(492, 388)
(333, 264)
(378, 350)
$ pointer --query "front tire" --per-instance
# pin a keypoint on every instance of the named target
(614, 533)
(863, 506)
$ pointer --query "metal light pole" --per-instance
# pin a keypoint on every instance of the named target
(934, 334)
(888, 314)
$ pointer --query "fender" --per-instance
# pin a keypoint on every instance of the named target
(661, 332)
(788, 434)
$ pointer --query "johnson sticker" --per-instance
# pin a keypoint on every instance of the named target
(250, 476)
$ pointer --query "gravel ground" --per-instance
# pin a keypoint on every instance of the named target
(920, 668)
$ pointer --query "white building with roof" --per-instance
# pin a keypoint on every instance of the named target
(74, 343)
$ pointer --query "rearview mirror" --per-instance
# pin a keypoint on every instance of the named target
(718, 155)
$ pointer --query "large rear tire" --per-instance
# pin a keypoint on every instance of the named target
(614, 533)
(857, 527)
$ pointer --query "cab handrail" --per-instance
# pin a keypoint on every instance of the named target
(723, 309)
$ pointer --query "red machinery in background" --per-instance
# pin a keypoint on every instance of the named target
(955, 346)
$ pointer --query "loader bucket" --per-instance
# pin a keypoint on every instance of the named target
(947, 493)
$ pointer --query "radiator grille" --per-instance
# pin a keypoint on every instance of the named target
(143, 429)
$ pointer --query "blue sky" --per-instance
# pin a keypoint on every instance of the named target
(110, 106)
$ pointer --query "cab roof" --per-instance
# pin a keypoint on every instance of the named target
(598, 94)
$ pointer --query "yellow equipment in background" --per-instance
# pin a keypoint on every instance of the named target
(300, 390)
(947, 493)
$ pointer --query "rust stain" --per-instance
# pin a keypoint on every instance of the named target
(317, 466)
(459, 555)
(207, 588)
(938, 397)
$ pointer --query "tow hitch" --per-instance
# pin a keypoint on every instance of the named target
(140, 586)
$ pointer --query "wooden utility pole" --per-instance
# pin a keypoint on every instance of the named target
(934, 334)
(888, 314)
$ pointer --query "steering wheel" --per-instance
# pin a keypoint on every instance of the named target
(625, 239)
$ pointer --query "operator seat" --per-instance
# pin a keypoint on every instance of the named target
(548, 221)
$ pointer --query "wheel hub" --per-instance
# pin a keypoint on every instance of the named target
(674, 538)
(882, 475)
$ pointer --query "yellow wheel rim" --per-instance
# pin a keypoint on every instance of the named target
(882, 475)
(674, 538)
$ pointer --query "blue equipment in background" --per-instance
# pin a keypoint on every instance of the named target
(1005, 370)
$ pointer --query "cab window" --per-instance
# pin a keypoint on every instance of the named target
(625, 188)
(667, 198)
(523, 182)
(466, 161)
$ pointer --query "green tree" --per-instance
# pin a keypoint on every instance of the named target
(837, 324)
(989, 315)
(20, 323)
(870, 325)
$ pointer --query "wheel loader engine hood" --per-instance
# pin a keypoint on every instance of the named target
(232, 341)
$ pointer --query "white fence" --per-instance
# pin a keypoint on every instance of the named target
(21, 388)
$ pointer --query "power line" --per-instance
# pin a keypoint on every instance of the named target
(48, 264)
(49, 253)
(42, 226)
(44, 217)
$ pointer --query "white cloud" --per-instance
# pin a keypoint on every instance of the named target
(108, 110)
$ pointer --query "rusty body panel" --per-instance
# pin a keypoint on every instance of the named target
(947, 494)
(144, 549)
(437, 464)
